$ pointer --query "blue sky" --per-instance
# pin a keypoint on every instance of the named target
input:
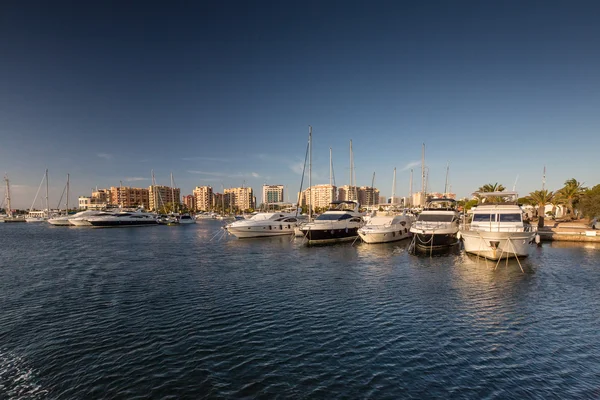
(223, 93)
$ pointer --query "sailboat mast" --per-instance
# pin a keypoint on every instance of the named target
(172, 194)
(8, 208)
(446, 185)
(423, 175)
(394, 187)
(67, 203)
(372, 190)
(410, 187)
(47, 204)
(351, 188)
(330, 169)
(310, 173)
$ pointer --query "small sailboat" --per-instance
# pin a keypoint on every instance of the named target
(9, 215)
(62, 220)
(36, 215)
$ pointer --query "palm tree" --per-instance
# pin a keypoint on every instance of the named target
(570, 195)
(489, 187)
(540, 198)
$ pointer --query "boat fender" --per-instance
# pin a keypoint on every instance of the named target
(458, 235)
(538, 239)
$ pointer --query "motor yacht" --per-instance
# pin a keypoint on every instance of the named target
(386, 226)
(339, 223)
(436, 227)
(264, 224)
(124, 218)
(496, 229)
(81, 218)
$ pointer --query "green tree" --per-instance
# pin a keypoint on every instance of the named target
(590, 202)
(570, 194)
(491, 187)
(540, 198)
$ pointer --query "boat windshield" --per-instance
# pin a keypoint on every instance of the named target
(510, 217)
(484, 217)
(333, 217)
(435, 218)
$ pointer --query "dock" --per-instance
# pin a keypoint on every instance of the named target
(576, 231)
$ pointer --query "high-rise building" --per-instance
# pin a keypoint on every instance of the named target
(125, 196)
(204, 198)
(348, 193)
(241, 198)
(321, 196)
(161, 196)
(272, 194)
(189, 201)
(101, 195)
(368, 196)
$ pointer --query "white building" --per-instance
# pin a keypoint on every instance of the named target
(272, 194)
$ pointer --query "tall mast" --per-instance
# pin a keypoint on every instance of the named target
(446, 185)
(172, 194)
(373, 191)
(544, 178)
(351, 188)
(47, 204)
(410, 187)
(330, 169)
(310, 173)
(8, 208)
(67, 204)
(394, 187)
(423, 175)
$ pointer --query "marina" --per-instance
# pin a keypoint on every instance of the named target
(168, 311)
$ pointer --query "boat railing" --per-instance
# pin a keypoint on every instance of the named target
(498, 228)
(431, 225)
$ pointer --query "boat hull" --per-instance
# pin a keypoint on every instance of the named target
(497, 245)
(426, 242)
(383, 236)
(80, 222)
(111, 224)
(246, 232)
(35, 220)
(323, 236)
(60, 221)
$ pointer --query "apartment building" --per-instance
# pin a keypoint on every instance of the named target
(189, 201)
(125, 196)
(204, 198)
(241, 198)
(272, 194)
(161, 195)
(368, 196)
(348, 193)
(320, 196)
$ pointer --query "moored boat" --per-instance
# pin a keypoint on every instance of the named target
(339, 223)
(436, 227)
(386, 226)
(495, 229)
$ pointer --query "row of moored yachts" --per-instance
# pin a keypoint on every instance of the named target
(494, 229)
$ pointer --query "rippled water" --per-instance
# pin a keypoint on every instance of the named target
(166, 312)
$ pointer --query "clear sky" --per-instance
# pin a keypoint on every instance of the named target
(222, 93)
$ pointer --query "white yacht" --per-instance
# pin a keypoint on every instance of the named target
(81, 218)
(339, 223)
(495, 229)
(264, 224)
(60, 221)
(386, 226)
(436, 226)
(124, 218)
(37, 216)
